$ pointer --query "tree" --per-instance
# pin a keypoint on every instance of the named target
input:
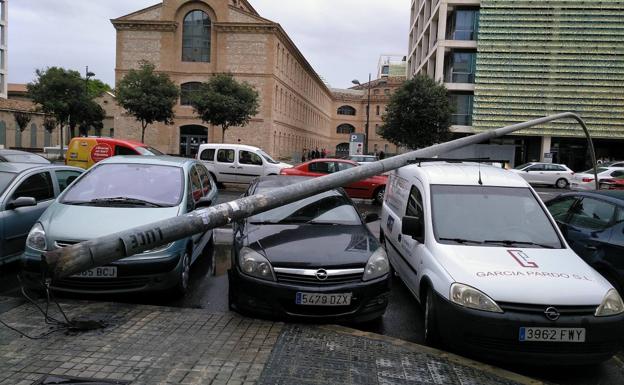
(148, 96)
(96, 87)
(22, 119)
(222, 101)
(91, 115)
(418, 115)
(49, 124)
(60, 93)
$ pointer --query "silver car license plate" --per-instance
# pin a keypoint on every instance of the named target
(552, 334)
(98, 272)
(315, 299)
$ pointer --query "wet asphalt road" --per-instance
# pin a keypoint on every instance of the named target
(403, 318)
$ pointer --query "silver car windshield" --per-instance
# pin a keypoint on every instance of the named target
(5, 180)
(326, 208)
(131, 183)
(491, 216)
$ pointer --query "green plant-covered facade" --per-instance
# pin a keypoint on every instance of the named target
(539, 57)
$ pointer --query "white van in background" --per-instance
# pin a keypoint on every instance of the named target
(237, 163)
(487, 262)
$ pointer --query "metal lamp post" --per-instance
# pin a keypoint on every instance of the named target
(357, 82)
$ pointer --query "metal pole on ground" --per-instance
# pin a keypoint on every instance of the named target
(110, 248)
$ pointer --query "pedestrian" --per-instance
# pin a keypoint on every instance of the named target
(310, 154)
(323, 153)
(381, 155)
(317, 154)
(303, 156)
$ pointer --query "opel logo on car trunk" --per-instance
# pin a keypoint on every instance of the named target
(321, 274)
(552, 313)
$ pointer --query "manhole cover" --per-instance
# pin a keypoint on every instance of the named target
(63, 380)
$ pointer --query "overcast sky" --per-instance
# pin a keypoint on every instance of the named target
(342, 39)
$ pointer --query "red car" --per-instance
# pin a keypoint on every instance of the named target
(612, 184)
(371, 188)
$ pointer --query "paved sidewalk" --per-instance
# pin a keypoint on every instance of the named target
(151, 345)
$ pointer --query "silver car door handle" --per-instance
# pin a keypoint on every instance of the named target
(232, 167)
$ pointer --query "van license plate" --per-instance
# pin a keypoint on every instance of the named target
(315, 299)
(98, 272)
(552, 334)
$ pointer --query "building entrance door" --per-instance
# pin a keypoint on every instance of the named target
(190, 139)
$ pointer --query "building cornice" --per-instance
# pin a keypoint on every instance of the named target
(144, 25)
(245, 27)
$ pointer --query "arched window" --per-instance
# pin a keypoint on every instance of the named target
(196, 37)
(186, 92)
(345, 129)
(346, 110)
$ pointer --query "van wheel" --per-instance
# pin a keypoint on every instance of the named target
(378, 197)
(432, 336)
(561, 183)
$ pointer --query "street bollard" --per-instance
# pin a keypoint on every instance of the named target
(64, 262)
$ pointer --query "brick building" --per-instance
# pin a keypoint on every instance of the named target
(191, 40)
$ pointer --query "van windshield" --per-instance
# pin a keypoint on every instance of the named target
(148, 151)
(267, 157)
(490, 216)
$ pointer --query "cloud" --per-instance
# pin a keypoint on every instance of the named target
(342, 39)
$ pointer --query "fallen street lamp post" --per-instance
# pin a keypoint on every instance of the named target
(64, 262)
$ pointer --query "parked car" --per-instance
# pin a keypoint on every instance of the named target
(487, 262)
(370, 188)
(26, 190)
(558, 175)
(21, 157)
(121, 193)
(237, 163)
(616, 163)
(84, 152)
(314, 258)
(616, 182)
(586, 180)
(593, 225)
(363, 158)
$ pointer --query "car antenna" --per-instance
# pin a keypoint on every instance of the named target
(480, 180)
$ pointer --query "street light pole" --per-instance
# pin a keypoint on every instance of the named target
(368, 105)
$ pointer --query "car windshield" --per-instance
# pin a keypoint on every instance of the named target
(128, 184)
(5, 180)
(26, 158)
(148, 151)
(267, 157)
(326, 208)
(522, 166)
(490, 216)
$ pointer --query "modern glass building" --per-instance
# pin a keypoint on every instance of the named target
(506, 61)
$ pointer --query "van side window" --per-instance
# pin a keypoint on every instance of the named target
(121, 150)
(207, 154)
(414, 204)
(225, 156)
(246, 157)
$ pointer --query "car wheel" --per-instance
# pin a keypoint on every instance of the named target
(431, 326)
(561, 183)
(184, 275)
(379, 195)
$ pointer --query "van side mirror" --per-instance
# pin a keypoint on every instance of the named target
(414, 227)
(203, 202)
(21, 202)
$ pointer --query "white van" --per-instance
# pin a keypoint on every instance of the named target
(237, 163)
(491, 269)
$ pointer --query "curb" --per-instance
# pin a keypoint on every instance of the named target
(502, 373)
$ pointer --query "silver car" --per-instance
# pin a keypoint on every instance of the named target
(558, 175)
(26, 191)
(121, 193)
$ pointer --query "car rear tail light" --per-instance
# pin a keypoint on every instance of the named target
(587, 180)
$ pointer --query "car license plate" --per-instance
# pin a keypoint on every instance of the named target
(98, 272)
(552, 334)
(315, 299)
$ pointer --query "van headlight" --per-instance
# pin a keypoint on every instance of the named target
(255, 265)
(611, 304)
(472, 298)
(36, 239)
(377, 265)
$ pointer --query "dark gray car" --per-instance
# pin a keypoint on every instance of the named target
(26, 190)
